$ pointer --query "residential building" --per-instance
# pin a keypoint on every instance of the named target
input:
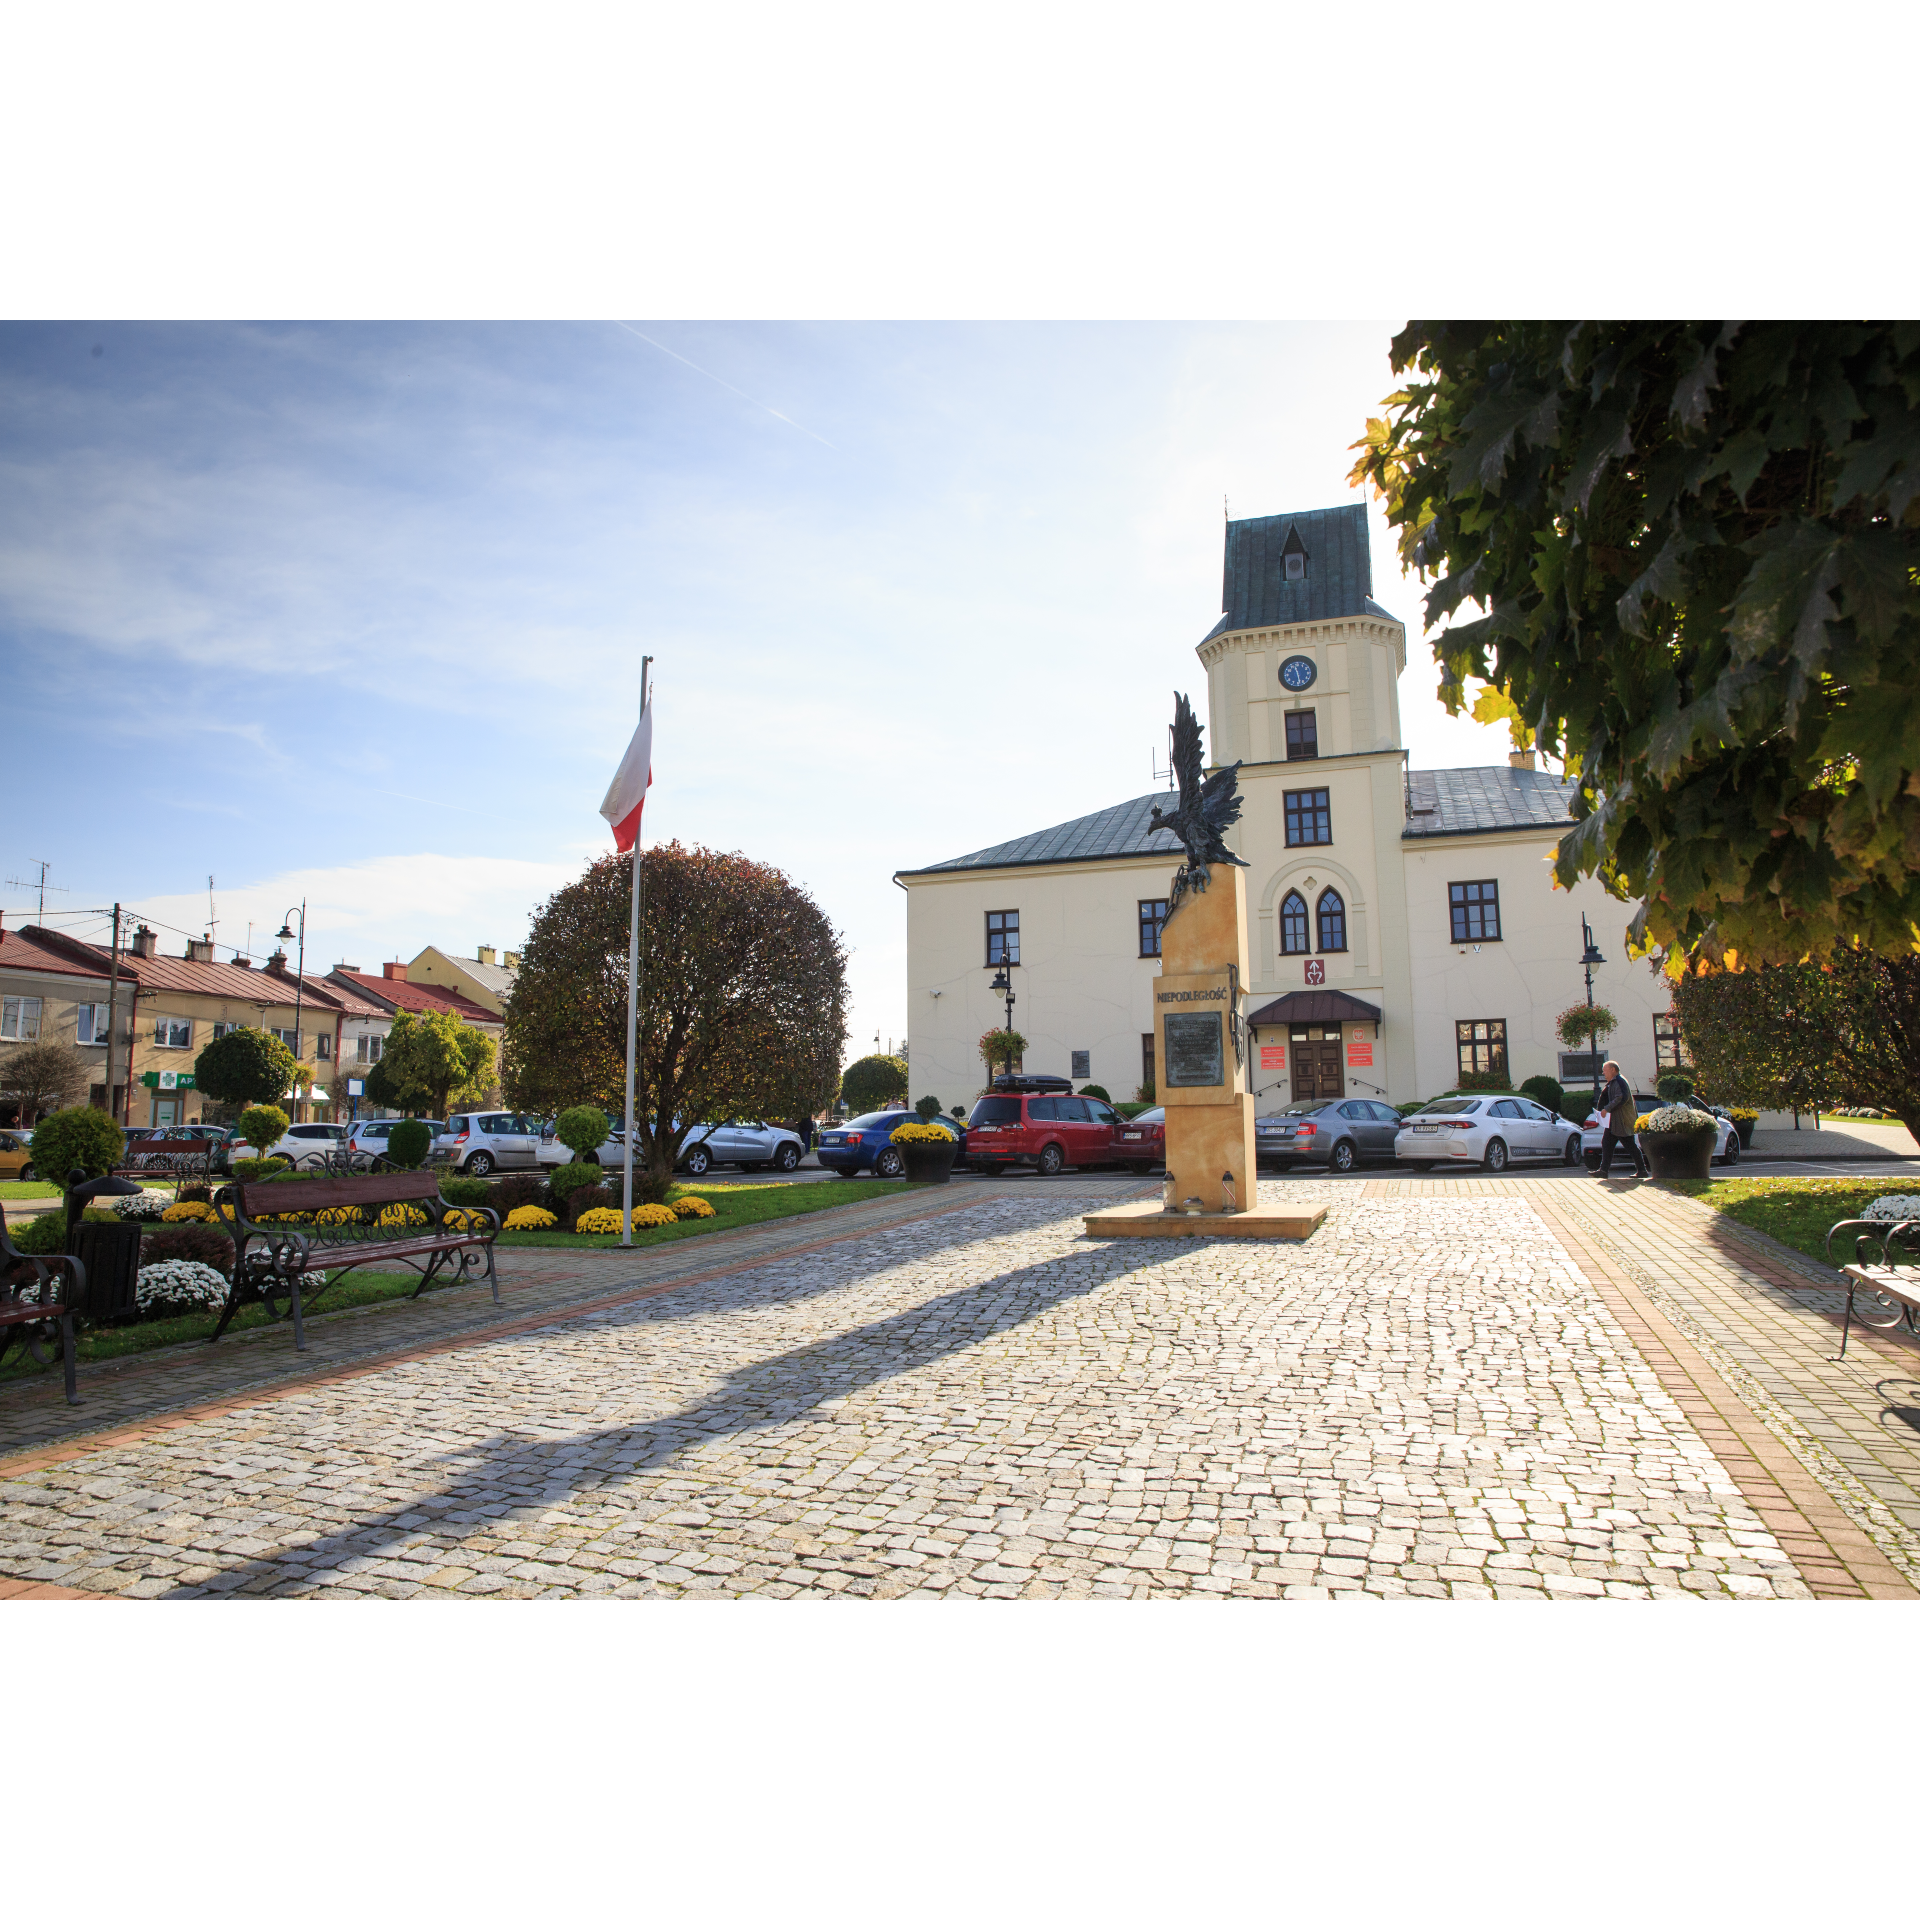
(1404, 928)
(389, 992)
(55, 987)
(486, 980)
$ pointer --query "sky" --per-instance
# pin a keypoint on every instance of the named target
(353, 613)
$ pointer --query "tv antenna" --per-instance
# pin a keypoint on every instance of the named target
(1165, 773)
(38, 886)
(212, 923)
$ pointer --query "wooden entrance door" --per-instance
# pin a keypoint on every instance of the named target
(1316, 1064)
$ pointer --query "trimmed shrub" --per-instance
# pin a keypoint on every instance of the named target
(1409, 1106)
(203, 1194)
(870, 1083)
(1576, 1103)
(928, 1105)
(1145, 1094)
(1127, 1109)
(1094, 1091)
(1674, 1086)
(189, 1240)
(566, 1180)
(586, 1199)
(81, 1137)
(458, 1191)
(582, 1129)
(516, 1190)
(1540, 1087)
(262, 1127)
(1493, 1082)
(245, 1066)
(408, 1144)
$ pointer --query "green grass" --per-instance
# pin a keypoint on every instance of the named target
(1797, 1213)
(732, 1206)
(1863, 1120)
(11, 1190)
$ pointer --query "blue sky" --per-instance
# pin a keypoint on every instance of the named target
(355, 612)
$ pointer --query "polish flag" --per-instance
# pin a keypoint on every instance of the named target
(628, 794)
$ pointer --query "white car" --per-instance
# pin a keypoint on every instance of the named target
(1491, 1130)
(1726, 1143)
(304, 1144)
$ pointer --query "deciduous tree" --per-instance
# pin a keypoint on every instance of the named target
(1696, 547)
(43, 1074)
(870, 1083)
(433, 1059)
(245, 1066)
(744, 1009)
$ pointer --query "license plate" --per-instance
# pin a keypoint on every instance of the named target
(1132, 1136)
(1426, 1129)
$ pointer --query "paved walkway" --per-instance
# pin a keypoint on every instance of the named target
(1477, 1389)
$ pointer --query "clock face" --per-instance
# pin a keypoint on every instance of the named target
(1297, 673)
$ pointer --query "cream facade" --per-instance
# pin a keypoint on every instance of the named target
(1403, 925)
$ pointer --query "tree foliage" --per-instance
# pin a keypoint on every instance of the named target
(743, 1007)
(409, 1143)
(1697, 549)
(43, 1074)
(76, 1137)
(433, 1059)
(582, 1129)
(1842, 1033)
(245, 1066)
(870, 1083)
(262, 1127)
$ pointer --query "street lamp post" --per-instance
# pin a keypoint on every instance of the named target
(300, 974)
(1003, 984)
(1590, 959)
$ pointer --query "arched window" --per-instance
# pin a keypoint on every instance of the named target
(1293, 924)
(1333, 923)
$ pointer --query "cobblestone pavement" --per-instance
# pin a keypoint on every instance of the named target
(1430, 1397)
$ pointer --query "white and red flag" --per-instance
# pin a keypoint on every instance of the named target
(628, 794)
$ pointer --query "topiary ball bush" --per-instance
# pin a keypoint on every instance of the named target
(262, 1127)
(927, 1106)
(1674, 1086)
(408, 1144)
(563, 1181)
(1094, 1091)
(582, 1129)
(1547, 1092)
(81, 1137)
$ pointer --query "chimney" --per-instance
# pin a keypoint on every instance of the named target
(484, 955)
(239, 960)
(200, 950)
(513, 960)
(144, 942)
(1521, 760)
(276, 961)
(346, 966)
(393, 969)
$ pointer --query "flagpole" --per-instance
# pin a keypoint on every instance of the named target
(633, 998)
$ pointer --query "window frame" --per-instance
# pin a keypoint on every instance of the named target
(1461, 910)
(1466, 1042)
(368, 1048)
(94, 1016)
(1304, 810)
(165, 1025)
(1009, 919)
(1152, 921)
(1669, 1044)
(1304, 722)
(287, 1036)
(1321, 916)
(1294, 898)
(19, 1003)
(323, 1046)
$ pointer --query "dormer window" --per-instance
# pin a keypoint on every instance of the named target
(1296, 566)
(1294, 556)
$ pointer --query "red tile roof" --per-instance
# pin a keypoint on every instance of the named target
(58, 954)
(404, 996)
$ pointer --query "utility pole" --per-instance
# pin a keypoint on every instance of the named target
(113, 1010)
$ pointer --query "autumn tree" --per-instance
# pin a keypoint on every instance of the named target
(43, 1074)
(744, 1008)
(431, 1060)
(870, 1083)
(245, 1067)
(1696, 548)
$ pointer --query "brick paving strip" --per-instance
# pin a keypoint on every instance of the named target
(1744, 1333)
(128, 1399)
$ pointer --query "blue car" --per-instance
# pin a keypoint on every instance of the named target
(866, 1142)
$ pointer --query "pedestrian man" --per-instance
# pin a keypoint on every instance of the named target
(1622, 1114)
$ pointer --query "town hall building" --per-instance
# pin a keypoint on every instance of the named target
(1403, 925)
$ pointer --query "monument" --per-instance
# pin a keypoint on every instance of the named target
(1201, 1046)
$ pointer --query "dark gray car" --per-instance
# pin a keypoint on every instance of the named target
(1334, 1134)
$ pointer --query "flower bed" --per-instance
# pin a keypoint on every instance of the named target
(141, 1206)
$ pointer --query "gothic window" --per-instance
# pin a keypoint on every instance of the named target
(1293, 925)
(1333, 923)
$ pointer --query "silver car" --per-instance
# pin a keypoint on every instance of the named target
(1326, 1133)
(483, 1143)
(738, 1143)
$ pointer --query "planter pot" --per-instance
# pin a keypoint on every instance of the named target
(928, 1165)
(1678, 1157)
(1744, 1128)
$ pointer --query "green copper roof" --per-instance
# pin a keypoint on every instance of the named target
(1337, 577)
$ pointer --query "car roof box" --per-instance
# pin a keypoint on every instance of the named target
(1032, 1083)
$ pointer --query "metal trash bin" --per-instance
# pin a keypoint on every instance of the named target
(109, 1250)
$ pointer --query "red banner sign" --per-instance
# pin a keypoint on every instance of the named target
(1273, 1059)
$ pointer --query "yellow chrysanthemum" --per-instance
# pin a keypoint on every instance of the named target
(529, 1220)
(402, 1215)
(189, 1210)
(691, 1207)
(914, 1134)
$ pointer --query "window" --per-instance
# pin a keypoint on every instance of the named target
(323, 1046)
(367, 1048)
(1003, 939)
(289, 1037)
(221, 1027)
(169, 1032)
(1476, 910)
(93, 1025)
(1669, 1049)
(1303, 736)
(1146, 1060)
(1153, 916)
(1293, 924)
(1333, 923)
(1296, 566)
(1309, 821)
(1481, 1045)
(19, 1019)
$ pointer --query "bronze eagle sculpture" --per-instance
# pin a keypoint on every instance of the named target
(1207, 808)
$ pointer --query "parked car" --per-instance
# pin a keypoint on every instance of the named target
(16, 1156)
(1049, 1132)
(729, 1143)
(304, 1144)
(1726, 1145)
(1327, 1133)
(1490, 1129)
(484, 1143)
(1143, 1139)
(371, 1136)
(866, 1144)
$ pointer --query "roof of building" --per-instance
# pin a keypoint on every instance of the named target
(498, 981)
(1336, 582)
(1112, 834)
(1484, 800)
(1305, 1008)
(403, 996)
(34, 949)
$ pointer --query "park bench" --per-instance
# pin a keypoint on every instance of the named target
(21, 1273)
(1880, 1293)
(339, 1225)
(186, 1166)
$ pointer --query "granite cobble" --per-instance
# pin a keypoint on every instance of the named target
(1427, 1399)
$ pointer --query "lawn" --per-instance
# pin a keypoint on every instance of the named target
(1797, 1212)
(733, 1206)
(11, 1190)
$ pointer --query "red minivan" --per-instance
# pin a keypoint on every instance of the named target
(1047, 1131)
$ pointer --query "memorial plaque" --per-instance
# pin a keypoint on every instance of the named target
(1196, 1051)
